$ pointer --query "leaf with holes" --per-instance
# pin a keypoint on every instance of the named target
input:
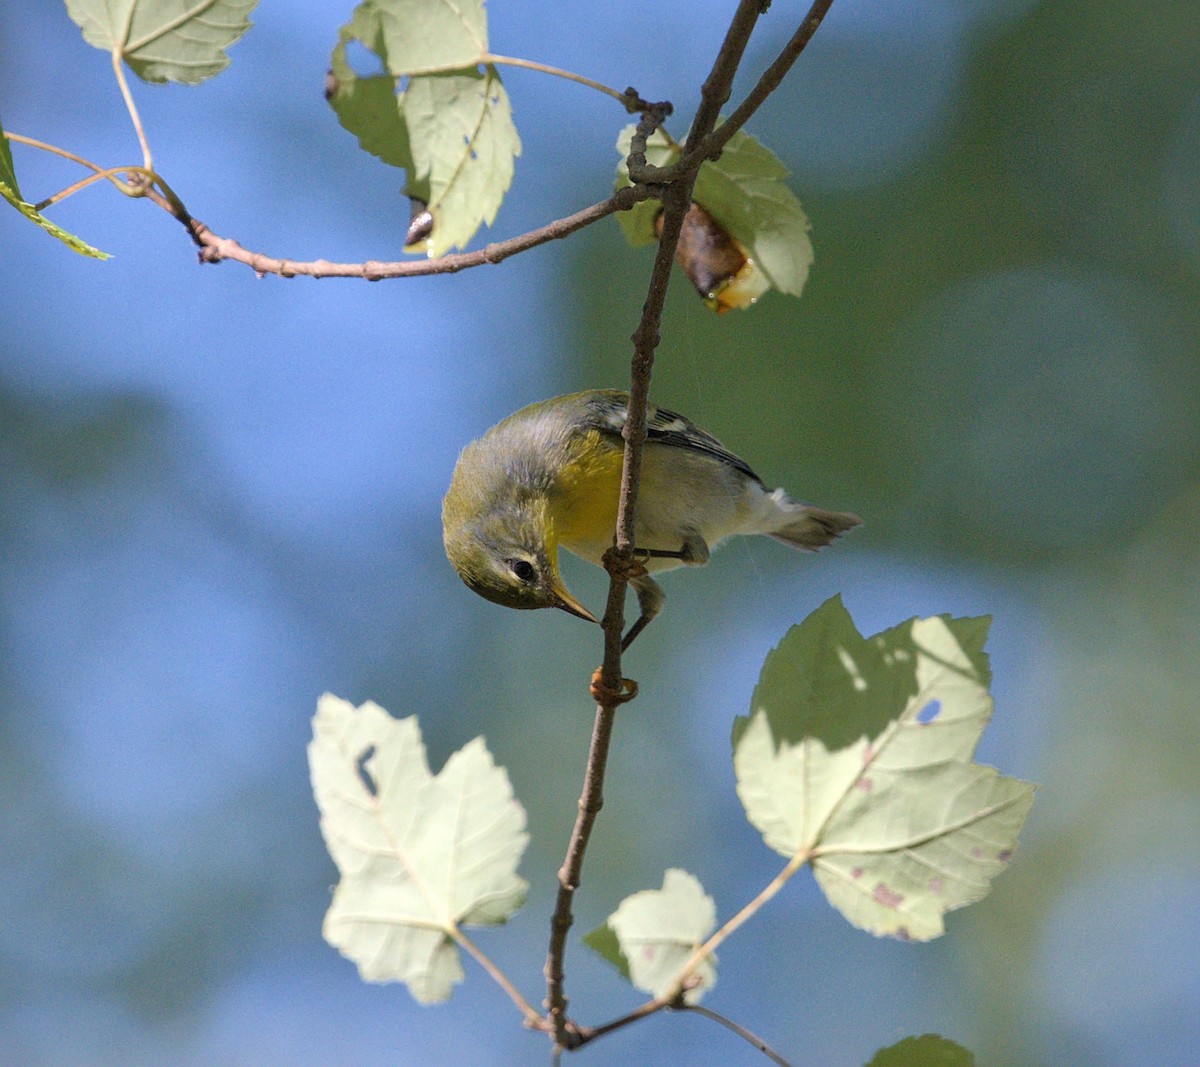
(10, 191)
(420, 34)
(165, 40)
(449, 126)
(745, 192)
(653, 934)
(857, 758)
(419, 854)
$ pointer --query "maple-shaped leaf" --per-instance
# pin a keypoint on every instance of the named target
(858, 758)
(438, 110)
(165, 40)
(653, 934)
(419, 854)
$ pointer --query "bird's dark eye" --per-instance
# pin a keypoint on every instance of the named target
(523, 569)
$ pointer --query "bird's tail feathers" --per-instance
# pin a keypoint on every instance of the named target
(811, 528)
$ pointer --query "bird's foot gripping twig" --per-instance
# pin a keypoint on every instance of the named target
(625, 567)
(609, 697)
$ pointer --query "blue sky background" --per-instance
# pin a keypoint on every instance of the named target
(219, 497)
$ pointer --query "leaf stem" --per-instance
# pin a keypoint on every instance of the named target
(34, 143)
(127, 96)
(533, 1018)
(747, 912)
(557, 72)
(672, 997)
(109, 173)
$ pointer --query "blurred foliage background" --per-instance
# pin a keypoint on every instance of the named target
(219, 497)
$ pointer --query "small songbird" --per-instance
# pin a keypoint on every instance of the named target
(549, 477)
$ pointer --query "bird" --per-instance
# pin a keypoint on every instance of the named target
(548, 477)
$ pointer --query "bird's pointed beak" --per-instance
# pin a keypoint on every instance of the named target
(564, 600)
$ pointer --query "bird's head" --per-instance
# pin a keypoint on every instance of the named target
(505, 550)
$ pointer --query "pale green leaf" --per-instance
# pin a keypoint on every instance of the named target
(11, 191)
(451, 131)
(745, 192)
(419, 854)
(165, 40)
(928, 1050)
(858, 756)
(652, 935)
(420, 34)
(463, 143)
(367, 106)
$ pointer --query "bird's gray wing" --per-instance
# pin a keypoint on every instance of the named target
(607, 411)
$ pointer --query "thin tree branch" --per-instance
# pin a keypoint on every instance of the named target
(711, 146)
(610, 685)
(215, 249)
(771, 79)
(741, 1031)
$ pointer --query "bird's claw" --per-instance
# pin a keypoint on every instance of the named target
(626, 569)
(602, 694)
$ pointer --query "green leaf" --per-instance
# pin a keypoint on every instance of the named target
(8, 172)
(367, 106)
(420, 34)
(858, 757)
(419, 854)
(745, 192)
(928, 1050)
(450, 128)
(652, 935)
(165, 40)
(11, 191)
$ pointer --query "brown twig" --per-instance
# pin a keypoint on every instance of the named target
(215, 249)
(768, 83)
(741, 1031)
(711, 146)
(676, 198)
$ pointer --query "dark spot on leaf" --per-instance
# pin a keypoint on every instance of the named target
(935, 885)
(929, 712)
(865, 784)
(889, 898)
(1005, 856)
(856, 872)
(364, 775)
(902, 934)
(976, 853)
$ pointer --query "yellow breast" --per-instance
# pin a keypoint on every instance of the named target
(584, 503)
